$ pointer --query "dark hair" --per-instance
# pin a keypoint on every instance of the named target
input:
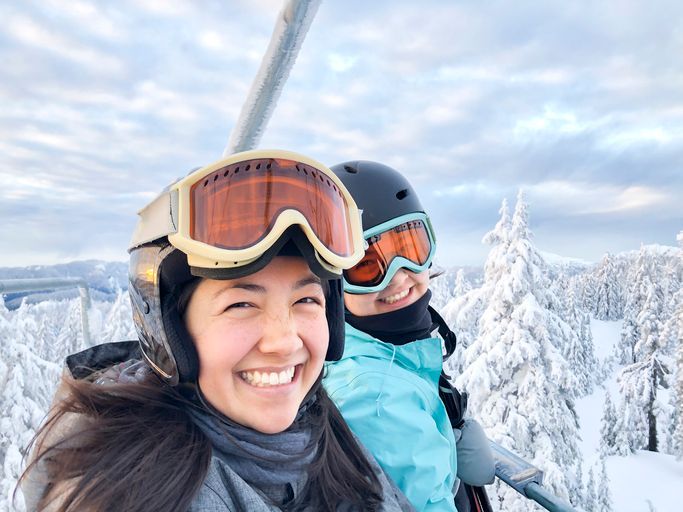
(134, 447)
(123, 446)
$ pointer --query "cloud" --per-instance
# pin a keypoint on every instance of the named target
(576, 198)
(578, 103)
(30, 32)
(102, 21)
(341, 63)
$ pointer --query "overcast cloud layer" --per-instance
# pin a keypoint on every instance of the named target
(578, 103)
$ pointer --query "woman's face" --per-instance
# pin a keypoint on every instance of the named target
(261, 341)
(404, 289)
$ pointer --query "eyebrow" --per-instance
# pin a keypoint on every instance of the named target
(312, 279)
(257, 288)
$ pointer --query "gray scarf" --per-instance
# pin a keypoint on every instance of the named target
(266, 461)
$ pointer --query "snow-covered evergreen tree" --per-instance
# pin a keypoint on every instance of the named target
(591, 498)
(70, 337)
(671, 331)
(464, 313)
(607, 291)
(635, 299)
(118, 324)
(608, 425)
(578, 349)
(28, 383)
(462, 286)
(519, 384)
(603, 502)
(641, 381)
(678, 391)
(576, 498)
(625, 438)
(587, 296)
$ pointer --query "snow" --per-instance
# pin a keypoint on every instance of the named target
(556, 259)
(641, 477)
(604, 334)
(646, 477)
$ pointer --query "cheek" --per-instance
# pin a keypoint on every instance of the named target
(316, 336)
(360, 305)
(423, 278)
(221, 345)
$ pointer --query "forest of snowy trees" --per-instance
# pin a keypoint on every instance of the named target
(35, 338)
(526, 355)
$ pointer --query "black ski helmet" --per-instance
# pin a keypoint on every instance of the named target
(381, 192)
(159, 274)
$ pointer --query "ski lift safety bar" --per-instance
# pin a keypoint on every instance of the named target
(31, 285)
(526, 479)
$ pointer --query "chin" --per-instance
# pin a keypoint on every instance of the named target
(273, 423)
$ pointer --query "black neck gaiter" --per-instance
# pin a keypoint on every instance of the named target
(398, 327)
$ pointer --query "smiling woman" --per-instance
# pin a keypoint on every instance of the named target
(220, 405)
(261, 342)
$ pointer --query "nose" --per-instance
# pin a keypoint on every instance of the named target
(280, 336)
(399, 278)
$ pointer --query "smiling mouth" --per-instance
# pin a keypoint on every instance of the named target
(391, 299)
(268, 379)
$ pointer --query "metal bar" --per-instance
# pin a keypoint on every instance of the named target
(290, 30)
(548, 501)
(526, 479)
(39, 284)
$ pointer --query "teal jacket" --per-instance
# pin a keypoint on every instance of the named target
(389, 397)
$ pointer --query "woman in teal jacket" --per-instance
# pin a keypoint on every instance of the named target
(387, 382)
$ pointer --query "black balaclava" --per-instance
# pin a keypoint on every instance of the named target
(398, 327)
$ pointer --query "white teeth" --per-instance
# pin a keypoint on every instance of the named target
(264, 379)
(395, 298)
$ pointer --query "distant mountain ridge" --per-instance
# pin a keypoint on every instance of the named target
(104, 278)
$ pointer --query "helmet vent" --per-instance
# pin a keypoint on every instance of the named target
(402, 194)
(350, 169)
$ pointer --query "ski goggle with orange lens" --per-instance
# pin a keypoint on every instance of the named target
(405, 242)
(229, 213)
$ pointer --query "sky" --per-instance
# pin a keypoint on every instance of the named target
(580, 104)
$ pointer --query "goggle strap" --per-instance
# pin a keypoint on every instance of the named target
(444, 331)
(156, 220)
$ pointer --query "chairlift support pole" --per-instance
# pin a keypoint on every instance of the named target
(40, 284)
(290, 30)
(526, 479)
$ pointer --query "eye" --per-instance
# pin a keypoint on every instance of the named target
(239, 305)
(309, 300)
